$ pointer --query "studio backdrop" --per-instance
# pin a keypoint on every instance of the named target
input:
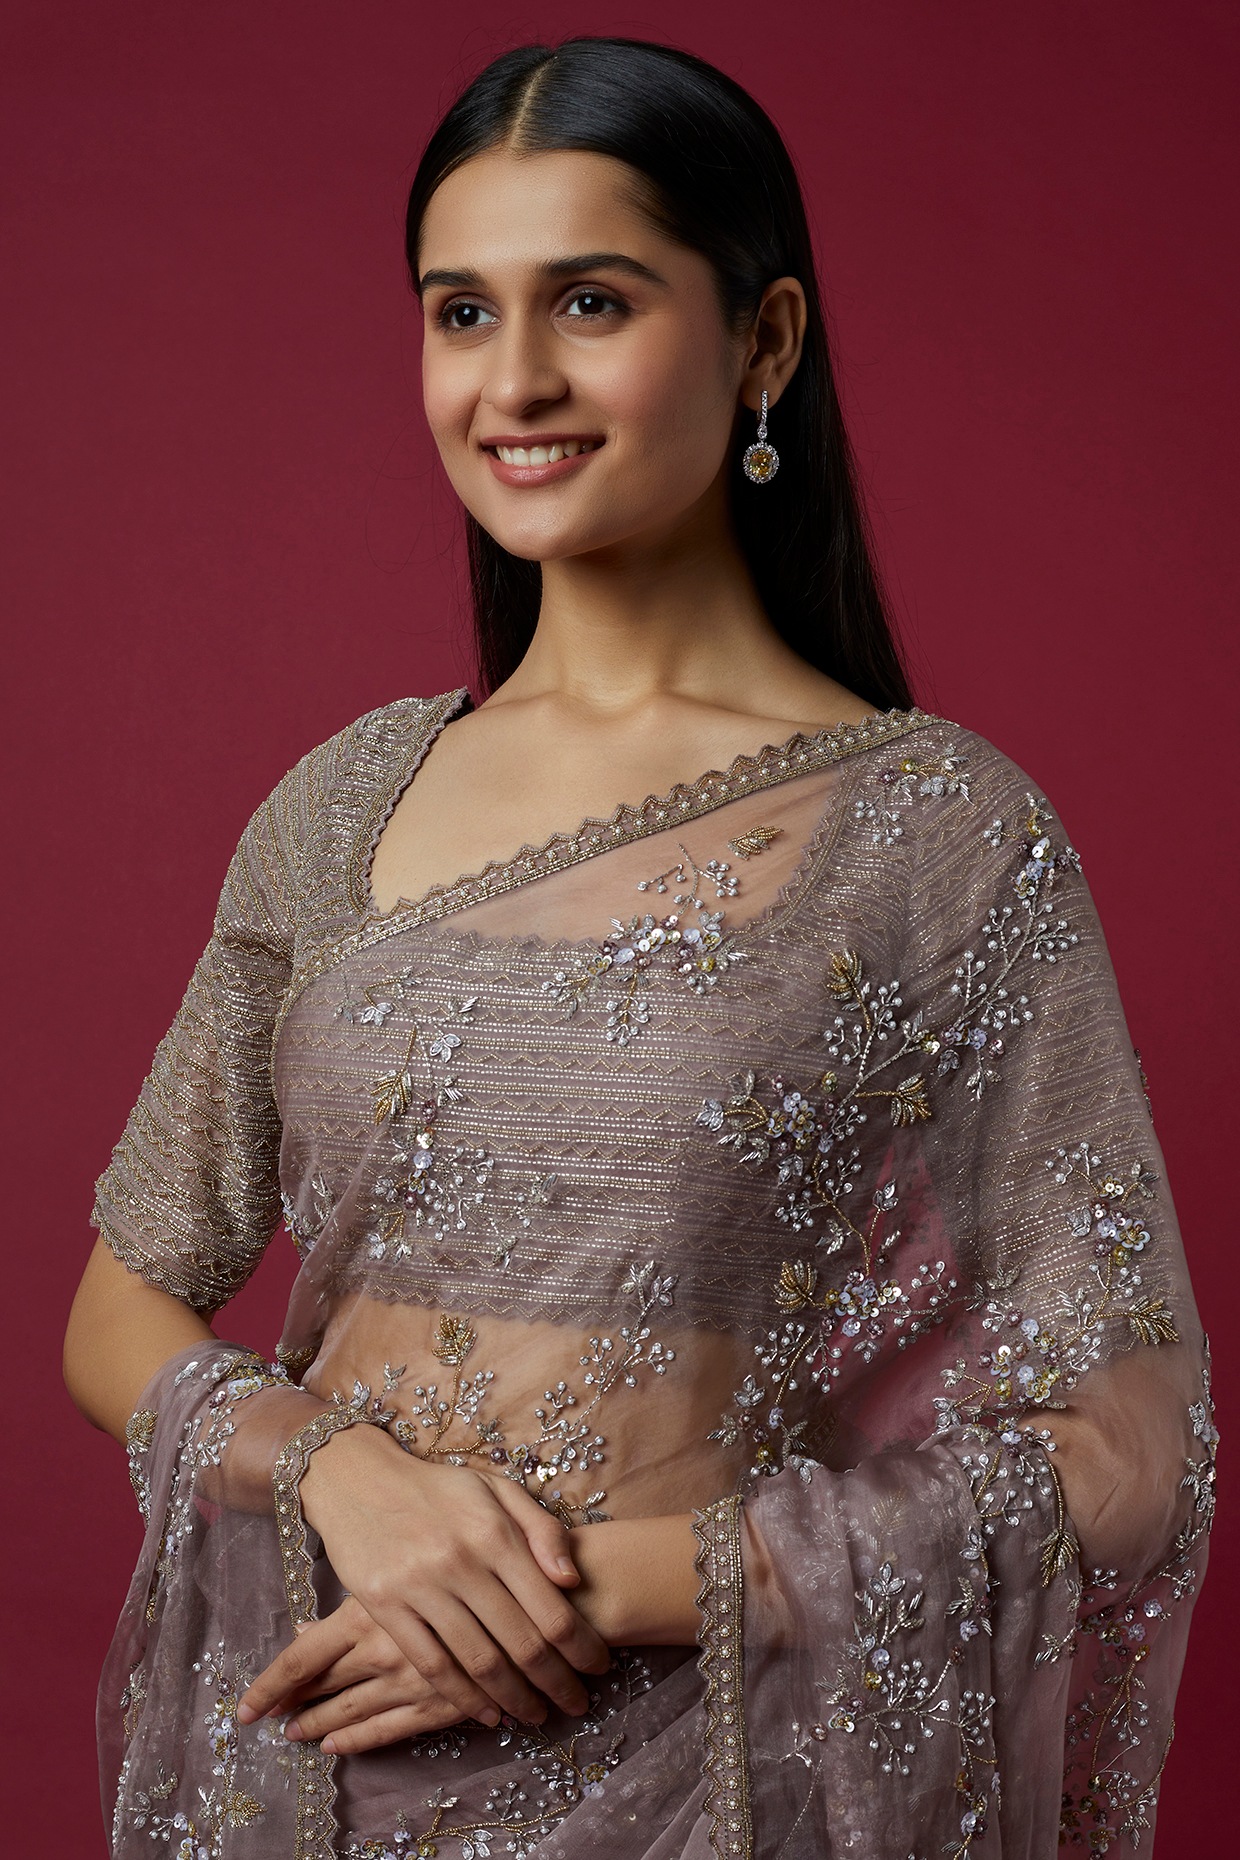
(228, 536)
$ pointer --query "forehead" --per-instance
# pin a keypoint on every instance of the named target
(503, 210)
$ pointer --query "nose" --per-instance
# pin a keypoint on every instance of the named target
(523, 371)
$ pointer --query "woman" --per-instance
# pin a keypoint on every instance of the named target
(742, 1392)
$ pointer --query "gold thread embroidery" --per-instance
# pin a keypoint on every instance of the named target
(720, 1602)
(139, 1433)
(316, 1788)
(750, 844)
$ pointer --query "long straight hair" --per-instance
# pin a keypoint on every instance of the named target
(718, 180)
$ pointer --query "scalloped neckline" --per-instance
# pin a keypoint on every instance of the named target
(749, 771)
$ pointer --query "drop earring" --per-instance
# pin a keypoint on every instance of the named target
(761, 461)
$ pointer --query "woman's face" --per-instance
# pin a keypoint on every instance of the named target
(559, 318)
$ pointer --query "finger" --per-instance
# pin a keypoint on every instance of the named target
(388, 1727)
(550, 1609)
(472, 1650)
(549, 1540)
(357, 1703)
(425, 1651)
(314, 1649)
(512, 1629)
(557, 1620)
(357, 1666)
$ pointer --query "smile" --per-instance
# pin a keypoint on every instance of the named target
(543, 455)
(552, 459)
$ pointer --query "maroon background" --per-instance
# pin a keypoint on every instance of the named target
(229, 537)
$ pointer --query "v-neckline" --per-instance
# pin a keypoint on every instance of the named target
(748, 773)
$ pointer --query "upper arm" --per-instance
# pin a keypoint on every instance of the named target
(121, 1329)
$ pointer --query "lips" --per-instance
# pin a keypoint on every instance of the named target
(528, 465)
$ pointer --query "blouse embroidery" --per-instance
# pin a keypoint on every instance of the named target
(700, 952)
(800, 755)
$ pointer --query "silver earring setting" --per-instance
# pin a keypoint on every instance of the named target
(761, 461)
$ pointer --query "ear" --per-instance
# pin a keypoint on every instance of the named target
(775, 342)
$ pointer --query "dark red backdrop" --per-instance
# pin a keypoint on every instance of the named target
(228, 538)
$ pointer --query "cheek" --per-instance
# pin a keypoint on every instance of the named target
(448, 396)
(671, 405)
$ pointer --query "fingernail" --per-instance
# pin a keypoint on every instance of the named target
(292, 1729)
(490, 1716)
(329, 1745)
(246, 1713)
(566, 1566)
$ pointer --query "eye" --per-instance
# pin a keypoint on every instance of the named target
(594, 304)
(463, 315)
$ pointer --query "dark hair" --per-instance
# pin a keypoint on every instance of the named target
(718, 180)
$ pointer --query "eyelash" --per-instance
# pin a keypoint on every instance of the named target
(591, 316)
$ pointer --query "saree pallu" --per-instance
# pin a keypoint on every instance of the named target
(773, 1151)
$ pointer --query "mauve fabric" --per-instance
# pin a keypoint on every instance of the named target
(773, 1150)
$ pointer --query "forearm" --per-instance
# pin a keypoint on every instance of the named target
(638, 1586)
(119, 1333)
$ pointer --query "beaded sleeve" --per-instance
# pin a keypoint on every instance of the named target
(190, 1196)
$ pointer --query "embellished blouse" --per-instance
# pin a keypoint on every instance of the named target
(774, 1150)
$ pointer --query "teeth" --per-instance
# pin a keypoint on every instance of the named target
(544, 455)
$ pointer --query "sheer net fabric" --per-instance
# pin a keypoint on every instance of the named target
(774, 1151)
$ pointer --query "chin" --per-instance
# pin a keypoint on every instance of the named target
(552, 544)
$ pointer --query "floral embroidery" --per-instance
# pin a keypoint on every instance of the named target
(438, 1188)
(139, 1433)
(131, 1701)
(304, 1229)
(565, 1443)
(564, 1770)
(896, 1702)
(1012, 933)
(1111, 1802)
(204, 1436)
(200, 1835)
(935, 776)
(1025, 1368)
(700, 951)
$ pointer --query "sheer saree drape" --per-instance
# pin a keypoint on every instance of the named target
(775, 1150)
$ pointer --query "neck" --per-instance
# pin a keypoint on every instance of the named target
(677, 614)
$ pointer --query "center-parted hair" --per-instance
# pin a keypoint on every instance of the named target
(716, 177)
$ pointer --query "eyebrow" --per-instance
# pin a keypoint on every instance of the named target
(552, 268)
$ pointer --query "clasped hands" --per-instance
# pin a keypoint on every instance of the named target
(455, 1605)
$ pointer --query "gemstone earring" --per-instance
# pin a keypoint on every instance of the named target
(761, 461)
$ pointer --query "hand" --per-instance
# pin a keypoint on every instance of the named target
(463, 1571)
(377, 1694)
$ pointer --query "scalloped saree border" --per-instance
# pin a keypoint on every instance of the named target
(725, 1760)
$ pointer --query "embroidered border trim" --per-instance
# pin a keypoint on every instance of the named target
(316, 1788)
(725, 1761)
(769, 768)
